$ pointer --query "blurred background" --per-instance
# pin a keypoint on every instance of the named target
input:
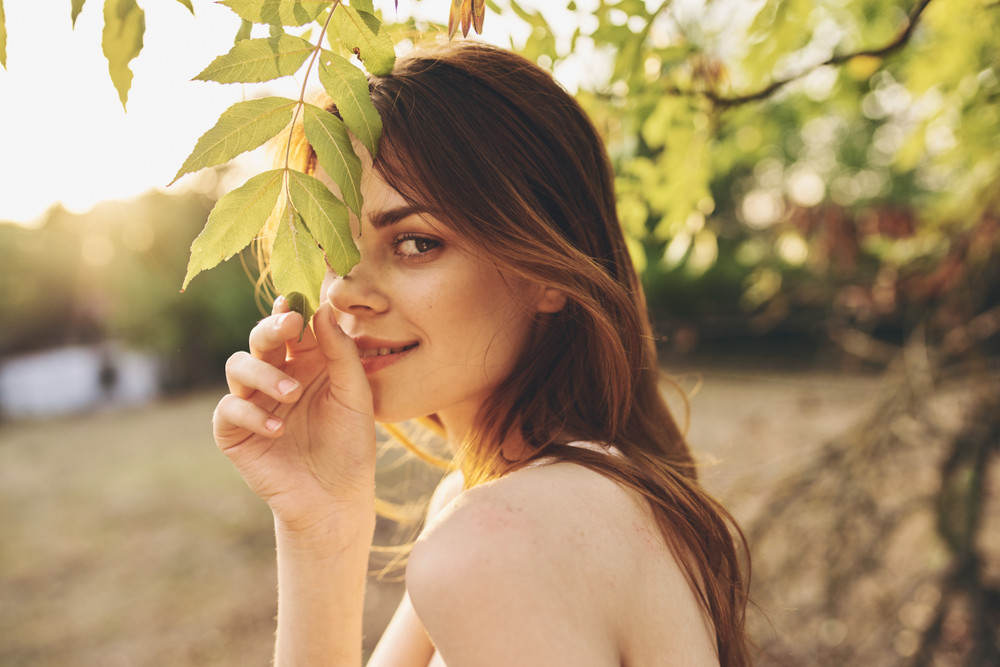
(811, 189)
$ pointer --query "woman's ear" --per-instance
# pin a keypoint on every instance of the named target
(550, 300)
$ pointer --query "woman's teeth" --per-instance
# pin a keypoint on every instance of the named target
(382, 351)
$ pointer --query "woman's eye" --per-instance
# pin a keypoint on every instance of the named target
(414, 246)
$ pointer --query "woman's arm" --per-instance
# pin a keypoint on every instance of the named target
(321, 587)
(405, 642)
(299, 426)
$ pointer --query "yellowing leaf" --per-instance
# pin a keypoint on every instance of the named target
(124, 25)
(3, 37)
(454, 17)
(478, 15)
(187, 3)
(297, 263)
(326, 218)
(242, 127)
(329, 138)
(256, 60)
(77, 7)
(360, 33)
(278, 12)
(348, 88)
(234, 222)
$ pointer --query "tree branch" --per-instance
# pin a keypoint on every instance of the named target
(901, 39)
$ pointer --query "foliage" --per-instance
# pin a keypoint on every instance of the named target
(810, 153)
(312, 223)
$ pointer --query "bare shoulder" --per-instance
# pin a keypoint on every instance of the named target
(534, 516)
(564, 559)
(535, 555)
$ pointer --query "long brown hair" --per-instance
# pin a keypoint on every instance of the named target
(488, 142)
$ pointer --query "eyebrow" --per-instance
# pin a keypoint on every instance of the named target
(390, 216)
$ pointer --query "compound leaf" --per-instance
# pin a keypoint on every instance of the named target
(124, 25)
(361, 33)
(348, 88)
(326, 218)
(329, 138)
(242, 127)
(278, 12)
(234, 222)
(257, 60)
(297, 263)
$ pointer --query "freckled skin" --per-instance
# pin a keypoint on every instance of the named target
(418, 281)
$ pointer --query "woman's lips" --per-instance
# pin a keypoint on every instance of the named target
(377, 354)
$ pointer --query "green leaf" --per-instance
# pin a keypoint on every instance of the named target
(329, 138)
(3, 37)
(187, 3)
(124, 25)
(348, 88)
(242, 127)
(278, 12)
(234, 222)
(326, 218)
(364, 6)
(360, 33)
(297, 303)
(297, 263)
(244, 31)
(77, 7)
(257, 60)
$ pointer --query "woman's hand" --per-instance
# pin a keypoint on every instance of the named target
(299, 421)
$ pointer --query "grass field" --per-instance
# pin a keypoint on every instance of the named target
(127, 539)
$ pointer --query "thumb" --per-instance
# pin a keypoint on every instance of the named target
(348, 382)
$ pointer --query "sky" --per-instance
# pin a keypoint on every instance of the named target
(65, 137)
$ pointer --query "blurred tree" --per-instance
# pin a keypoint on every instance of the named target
(818, 166)
(114, 272)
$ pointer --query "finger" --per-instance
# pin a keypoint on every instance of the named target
(269, 338)
(235, 419)
(246, 374)
(343, 367)
(280, 305)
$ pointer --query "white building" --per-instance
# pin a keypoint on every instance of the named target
(76, 379)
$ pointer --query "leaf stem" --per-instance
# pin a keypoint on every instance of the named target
(302, 93)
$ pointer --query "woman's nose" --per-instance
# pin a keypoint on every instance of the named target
(358, 292)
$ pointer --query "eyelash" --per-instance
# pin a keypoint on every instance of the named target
(418, 239)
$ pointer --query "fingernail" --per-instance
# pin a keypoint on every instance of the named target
(287, 386)
(272, 424)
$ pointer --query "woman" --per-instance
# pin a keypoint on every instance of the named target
(496, 296)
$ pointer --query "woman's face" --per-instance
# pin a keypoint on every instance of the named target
(436, 324)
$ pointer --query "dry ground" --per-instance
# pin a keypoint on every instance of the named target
(127, 539)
